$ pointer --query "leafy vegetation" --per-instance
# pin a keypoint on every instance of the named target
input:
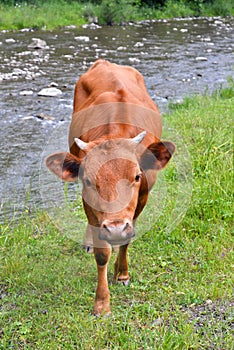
(51, 14)
(181, 282)
(47, 15)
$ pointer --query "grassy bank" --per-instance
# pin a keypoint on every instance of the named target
(181, 283)
(47, 15)
(52, 14)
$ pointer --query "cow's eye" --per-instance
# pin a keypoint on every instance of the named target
(87, 182)
(138, 177)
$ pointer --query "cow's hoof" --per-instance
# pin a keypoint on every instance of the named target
(102, 314)
(101, 309)
(124, 280)
(126, 283)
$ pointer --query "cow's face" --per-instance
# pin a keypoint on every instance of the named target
(112, 174)
(111, 178)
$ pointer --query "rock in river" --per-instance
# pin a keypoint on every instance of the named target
(38, 44)
(10, 41)
(50, 92)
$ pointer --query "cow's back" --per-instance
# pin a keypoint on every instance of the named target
(112, 100)
(107, 82)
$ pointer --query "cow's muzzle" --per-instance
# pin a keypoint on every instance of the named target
(117, 232)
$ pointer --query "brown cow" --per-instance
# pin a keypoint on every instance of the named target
(116, 150)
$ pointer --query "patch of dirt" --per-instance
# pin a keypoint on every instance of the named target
(4, 304)
(3, 291)
(218, 312)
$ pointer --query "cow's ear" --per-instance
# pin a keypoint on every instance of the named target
(64, 165)
(157, 155)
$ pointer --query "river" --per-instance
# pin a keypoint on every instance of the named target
(177, 57)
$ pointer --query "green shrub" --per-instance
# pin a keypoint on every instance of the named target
(117, 11)
(177, 9)
(89, 10)
(220, 8)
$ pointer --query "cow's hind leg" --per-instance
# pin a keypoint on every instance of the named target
(121, 266)
(102, 299)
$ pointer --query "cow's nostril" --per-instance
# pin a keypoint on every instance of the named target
(126, 226)
(116, 228)
(106, 228)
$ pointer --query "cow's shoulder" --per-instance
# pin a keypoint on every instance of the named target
(102, 83)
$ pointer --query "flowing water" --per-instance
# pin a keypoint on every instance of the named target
(176, 57)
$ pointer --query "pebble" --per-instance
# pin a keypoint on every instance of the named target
(9, 41)
(26, 93)
(27, 117)
(44, 117)
(18, 71)
(26, 30)
(218, 22)
(82, 38)
(201, 58)
(71, 27)
(138, 44)
(38, 116)
(133, 59)
(69, 57)
(53, 84)
(91, 26)
(207, 39)
(24, 53)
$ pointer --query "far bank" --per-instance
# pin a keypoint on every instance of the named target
(52, 14)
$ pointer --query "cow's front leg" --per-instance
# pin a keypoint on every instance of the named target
(121, 266)
(102, 299)
(88, 240)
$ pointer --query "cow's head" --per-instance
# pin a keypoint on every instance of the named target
(113, 173)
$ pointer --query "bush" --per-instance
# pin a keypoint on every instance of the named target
(89, 11)
(177, 9)
(220, 8)
(117, 11)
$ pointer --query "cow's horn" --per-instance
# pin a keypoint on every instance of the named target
(137, 139)
(81, 144)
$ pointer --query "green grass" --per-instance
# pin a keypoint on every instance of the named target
(47, 15)
(52, 14)
(181, 282)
